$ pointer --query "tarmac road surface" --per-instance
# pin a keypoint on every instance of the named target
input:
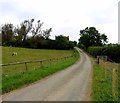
(69, 84)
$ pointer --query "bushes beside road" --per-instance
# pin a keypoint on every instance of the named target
(112, 51)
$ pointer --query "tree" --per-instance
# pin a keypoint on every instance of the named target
(18, 35)
(37, 29)
(26, 26)
(61, 42)
(7, 34)
(46, 33)
(91, 37)
(104, 38)
(23, 30)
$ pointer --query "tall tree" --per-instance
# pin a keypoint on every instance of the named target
(104, 38)
(91, 37)
(24, 29)
(46, 33)
(18, 34)
(37, 29)
(62, 42)
(7, 34)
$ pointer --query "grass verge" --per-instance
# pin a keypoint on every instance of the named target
(102, 85)
(15, 81)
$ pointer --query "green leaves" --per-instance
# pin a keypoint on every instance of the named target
(91, 37)
(112, 51)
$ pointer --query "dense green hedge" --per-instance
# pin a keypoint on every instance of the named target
(112, 51)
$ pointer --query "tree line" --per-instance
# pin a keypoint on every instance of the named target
(91, 37)
(94, 43)
(32, 35)
(112, 51)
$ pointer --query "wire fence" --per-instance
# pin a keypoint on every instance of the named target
(17, 67)
(111, 70)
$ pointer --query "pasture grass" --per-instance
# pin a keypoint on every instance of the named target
(25, 54)
(20, 79)
(102, 85)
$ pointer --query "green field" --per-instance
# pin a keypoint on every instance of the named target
(102, 82)
(15, 77)
(24, 54)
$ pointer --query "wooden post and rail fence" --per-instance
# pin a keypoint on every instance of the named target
(25, 63)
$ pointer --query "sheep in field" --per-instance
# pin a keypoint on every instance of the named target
(14, 54)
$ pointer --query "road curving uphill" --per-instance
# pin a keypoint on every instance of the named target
(70, 84)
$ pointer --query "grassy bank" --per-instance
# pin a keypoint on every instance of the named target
(102, 89)
(18, 80)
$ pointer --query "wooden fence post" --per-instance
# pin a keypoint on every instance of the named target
(26, 66)
(41, 64)
(50, 62)
(113, 81)
(98, 60)
(105, 70)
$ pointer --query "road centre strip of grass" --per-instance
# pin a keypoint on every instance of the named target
(12, 82)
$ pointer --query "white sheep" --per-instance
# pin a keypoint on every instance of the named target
(14, 54)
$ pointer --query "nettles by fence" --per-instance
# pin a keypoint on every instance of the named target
(17, 67)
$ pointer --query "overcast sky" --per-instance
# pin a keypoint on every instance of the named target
(66, 17)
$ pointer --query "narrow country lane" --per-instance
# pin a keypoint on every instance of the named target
(67, 85)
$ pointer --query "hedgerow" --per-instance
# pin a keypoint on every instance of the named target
(112, 51)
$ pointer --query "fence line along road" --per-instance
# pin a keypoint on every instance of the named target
(25, 62)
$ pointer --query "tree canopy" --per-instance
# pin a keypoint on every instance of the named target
(91, 37)
(32, 35)
(19, 35)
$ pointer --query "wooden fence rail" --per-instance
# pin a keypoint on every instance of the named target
(25, 62)
(12, 68)
(26, 66)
